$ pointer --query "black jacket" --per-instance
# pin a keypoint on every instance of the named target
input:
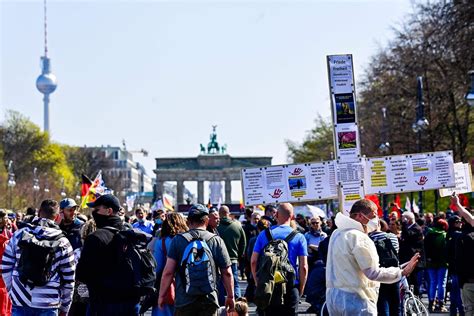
(98, 263)
(411, 243)
(73, 232)
(465, 256)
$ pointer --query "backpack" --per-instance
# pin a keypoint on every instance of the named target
(388, 256)
(36, 259)
(135, 272)
(274, 271)
(197, 265)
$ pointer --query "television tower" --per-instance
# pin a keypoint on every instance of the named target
(46, 82)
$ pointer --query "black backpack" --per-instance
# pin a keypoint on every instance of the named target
(135, 270)
(37, 258)
(388, 256)
(274, 271)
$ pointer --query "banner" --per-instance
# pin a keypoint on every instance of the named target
(289, 183)
(463, 180)
(409, 173)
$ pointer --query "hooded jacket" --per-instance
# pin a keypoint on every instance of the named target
(435, 248)
(57, 293)
(97, 262)
(232, 233)
(353, 273)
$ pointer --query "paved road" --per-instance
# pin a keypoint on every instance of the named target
(304, 306)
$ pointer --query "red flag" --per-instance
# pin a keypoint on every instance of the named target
(86, 184)
(463, 200)
(374, 198)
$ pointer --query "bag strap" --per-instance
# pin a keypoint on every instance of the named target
(291, 236)
(193, 235)
(269, 235)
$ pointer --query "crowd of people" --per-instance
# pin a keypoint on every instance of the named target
(58, 261)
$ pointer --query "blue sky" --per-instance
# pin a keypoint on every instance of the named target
(159, 74)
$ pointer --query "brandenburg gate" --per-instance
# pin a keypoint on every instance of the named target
(213, 164)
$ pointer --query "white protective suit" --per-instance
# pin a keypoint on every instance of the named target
(353, 274)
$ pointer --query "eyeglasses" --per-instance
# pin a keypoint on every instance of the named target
(315, 223)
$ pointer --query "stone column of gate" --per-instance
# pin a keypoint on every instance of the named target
(200, 188)
(159, 189)
(228, 191)
(180, 192)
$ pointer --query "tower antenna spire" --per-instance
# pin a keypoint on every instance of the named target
(45, 29)
(46, 82)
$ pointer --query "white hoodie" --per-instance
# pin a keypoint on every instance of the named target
(353, 265)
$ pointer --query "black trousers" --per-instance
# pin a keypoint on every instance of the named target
(290, 304)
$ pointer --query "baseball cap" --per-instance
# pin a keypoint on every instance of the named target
(454, 219)
(197, 210)
(107, 200)
(67, 203)
(213, 210)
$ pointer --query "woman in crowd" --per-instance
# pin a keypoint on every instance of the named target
(262, 224)
(5, 235)
(437, 264)
(173, 224)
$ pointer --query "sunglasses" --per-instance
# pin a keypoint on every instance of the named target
(314, 223)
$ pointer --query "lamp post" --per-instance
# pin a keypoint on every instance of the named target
(46, 186)
(384, 146)
(36, 186)
(419, 126)
(470, 94)
(11, 183)
(63, 192)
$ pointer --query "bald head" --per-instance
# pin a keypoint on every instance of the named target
(284, 213)
(408, 217)
(224, 211)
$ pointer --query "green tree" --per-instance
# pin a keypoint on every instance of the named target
(435, 42)
(317, 145)
(28, 147)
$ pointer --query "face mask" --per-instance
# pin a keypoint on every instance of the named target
(100, 220)
(373, 224)
(159, 221)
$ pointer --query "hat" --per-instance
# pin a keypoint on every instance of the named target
(107, 200)
(67, 203)
(213, 209)
(198, 210)
(454, 219)
(11, 215)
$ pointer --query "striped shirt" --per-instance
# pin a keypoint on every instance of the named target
(377, 235)
(57, 293)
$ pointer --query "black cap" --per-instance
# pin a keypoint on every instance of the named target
(198, 210)
(454, 219)
(107, 200)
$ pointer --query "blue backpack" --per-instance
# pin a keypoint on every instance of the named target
(197, 265)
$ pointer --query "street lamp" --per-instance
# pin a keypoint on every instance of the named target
(470, 94)
(63, 193)
(36, 186)
(46, 186)
(11, 183)
(419, 126)
(384, 146)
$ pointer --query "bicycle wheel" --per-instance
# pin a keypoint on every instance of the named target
(413, 306)
(324, 310)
